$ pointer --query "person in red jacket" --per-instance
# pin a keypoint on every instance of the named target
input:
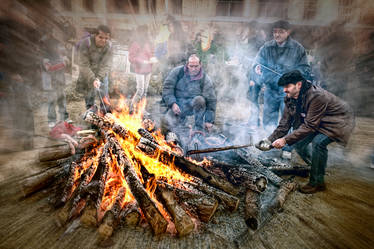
(141, 58)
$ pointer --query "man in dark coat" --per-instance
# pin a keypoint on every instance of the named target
(316, 116)
(95, 61)
(276, 57)
(187, 91)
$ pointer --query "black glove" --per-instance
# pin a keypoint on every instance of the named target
(264, 145)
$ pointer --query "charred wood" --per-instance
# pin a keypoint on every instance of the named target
(230, 202)
(252, 209)
(256, 165)
(197, 202)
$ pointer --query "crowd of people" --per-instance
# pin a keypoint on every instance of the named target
(272, 71)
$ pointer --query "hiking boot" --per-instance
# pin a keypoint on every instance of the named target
(311, 189)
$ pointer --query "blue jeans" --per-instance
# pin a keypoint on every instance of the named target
(273, 104)
(317, 158)
(90, 98)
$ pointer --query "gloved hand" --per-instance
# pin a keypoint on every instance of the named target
(264, 145)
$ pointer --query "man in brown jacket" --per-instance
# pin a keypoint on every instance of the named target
(316, 116)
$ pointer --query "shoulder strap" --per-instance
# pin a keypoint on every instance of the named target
(180, 74)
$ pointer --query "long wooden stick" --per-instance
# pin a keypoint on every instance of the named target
(232, 147)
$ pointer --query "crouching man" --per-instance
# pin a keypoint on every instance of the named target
(187, 91)
(316, 116)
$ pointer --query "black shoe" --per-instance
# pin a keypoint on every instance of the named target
(311, 189)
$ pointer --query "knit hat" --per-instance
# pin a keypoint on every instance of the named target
(282, 24)
(291, 78)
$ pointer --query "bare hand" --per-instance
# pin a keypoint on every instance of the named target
(279, 143)
(96, 83)
(258, 70)
(251, 83)
(208, 126)
(153, 60)
(176, 109)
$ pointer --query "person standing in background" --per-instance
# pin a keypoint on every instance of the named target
(141, 58)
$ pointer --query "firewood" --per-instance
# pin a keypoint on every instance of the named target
(54, 153)
(183, 223)
(201, 204)
(88, 217)
(130, 215)
(257, 166)
(110, 220)
(45, 178)
(105, 161)
(190, 167)
(286, 188)
(146, 134)
(252, 209)
(147, 205)
(230, 202)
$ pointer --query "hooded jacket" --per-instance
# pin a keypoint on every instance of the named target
(316, 110)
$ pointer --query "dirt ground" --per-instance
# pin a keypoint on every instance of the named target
(340, 217)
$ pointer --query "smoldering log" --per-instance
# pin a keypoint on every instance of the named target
(130, 215)
(110, 220)
(240, 175)
(252, 209)
(257, 166)
(105, 160)
(230, 202)
(146, 134)
(189, 167)
(201, 204)
(147, 205)
(183, 222)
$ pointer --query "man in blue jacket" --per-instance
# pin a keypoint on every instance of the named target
(276, 57)
(187, 91)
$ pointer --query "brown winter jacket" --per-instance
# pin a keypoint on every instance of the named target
(316, 110)
(94, 62)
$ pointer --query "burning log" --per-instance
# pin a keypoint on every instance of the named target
(147, 205)
(190, 167)
(203, 205)
(183, 223)
(165, 155)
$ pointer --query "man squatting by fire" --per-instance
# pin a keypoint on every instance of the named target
(316, 116)
(95, 61)
(187, 91)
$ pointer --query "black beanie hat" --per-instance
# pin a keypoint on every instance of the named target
(291, 78)
(282, 24)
